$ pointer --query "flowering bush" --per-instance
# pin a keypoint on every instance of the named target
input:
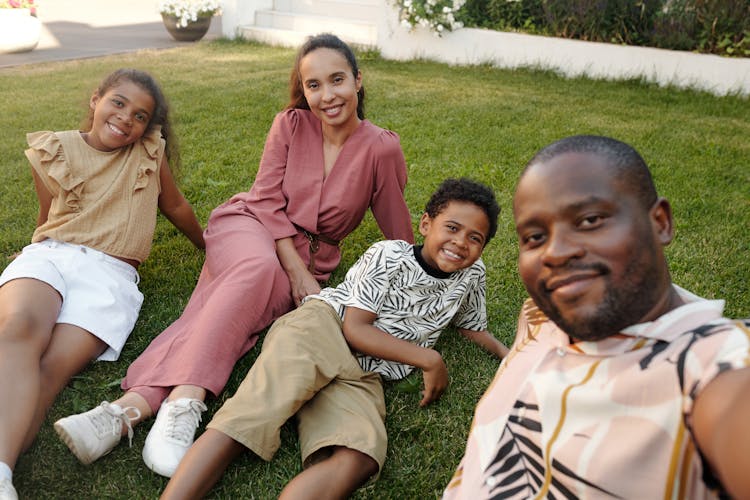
(437, 15)
(188, 10)
(16, 4)
(19, 4)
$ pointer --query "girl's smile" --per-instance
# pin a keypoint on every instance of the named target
(121, 116)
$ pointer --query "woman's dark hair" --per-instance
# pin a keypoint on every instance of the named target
(322, 41)
(160, 115)
(465, 190)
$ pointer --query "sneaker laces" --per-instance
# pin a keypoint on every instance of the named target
(183, 419)
(114, 417)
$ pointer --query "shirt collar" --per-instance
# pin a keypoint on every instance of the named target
(695, 312)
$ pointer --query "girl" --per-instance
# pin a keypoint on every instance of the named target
(323, 165)
(72, 295)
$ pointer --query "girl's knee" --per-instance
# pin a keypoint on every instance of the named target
(23, 326)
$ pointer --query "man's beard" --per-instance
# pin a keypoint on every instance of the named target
(621, 306)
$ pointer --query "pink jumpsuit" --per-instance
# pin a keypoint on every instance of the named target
(243, 287)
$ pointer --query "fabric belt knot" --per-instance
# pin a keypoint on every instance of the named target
(315, 240)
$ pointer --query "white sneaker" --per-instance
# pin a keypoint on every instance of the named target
(172, 434)
(7, 491)
(95, 433)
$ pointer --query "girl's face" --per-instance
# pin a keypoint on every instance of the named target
(330, 88)
(121, 116)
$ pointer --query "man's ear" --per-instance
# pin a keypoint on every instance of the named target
(424, 224)
(661, 220)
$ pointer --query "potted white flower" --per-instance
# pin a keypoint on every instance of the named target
(188, 20)
(19, 28)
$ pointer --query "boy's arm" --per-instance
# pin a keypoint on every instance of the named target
(176, 208)
(486, 340)
(363, 337)
(719, 421)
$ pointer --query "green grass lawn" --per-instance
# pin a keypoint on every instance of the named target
(453, 121)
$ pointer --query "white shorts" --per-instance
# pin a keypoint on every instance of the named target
(99, 292)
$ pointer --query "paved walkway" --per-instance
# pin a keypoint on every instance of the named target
(75, 29)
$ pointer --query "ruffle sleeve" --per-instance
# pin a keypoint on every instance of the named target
(51, 160)
(153, 146)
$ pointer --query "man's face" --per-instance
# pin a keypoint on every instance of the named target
(590, 254)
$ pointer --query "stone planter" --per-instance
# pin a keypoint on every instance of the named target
(192, 32)
(19, 30)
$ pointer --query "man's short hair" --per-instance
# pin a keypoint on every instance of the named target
(628, 166)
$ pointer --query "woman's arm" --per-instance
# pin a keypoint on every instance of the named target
(303, 283)
(176, 208)
(388, 204)
(363, 337)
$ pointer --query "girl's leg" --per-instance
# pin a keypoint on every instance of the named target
(203, 465)
(337, 476)
(28, 312)
(70, 349)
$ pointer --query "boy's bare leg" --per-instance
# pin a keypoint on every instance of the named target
(338, 476)
(203, 465)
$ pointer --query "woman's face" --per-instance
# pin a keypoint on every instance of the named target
(330, 88)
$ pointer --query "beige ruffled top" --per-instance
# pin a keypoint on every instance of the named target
(104, 200)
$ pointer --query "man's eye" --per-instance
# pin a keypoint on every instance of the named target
(590, 221)
(533, 239)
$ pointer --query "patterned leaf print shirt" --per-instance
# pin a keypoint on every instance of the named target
(606, 419)
(411, 303)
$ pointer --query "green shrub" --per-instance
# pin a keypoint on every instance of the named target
(712, 26)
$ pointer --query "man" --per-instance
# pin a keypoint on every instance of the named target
(619, 384)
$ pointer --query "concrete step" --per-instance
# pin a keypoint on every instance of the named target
(361, 10)
(270, 27)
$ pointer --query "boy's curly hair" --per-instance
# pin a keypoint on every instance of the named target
(467, 190)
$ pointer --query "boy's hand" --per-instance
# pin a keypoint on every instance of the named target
(435, 379)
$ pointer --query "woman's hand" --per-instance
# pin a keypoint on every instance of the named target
(301, 280)
(303, 284)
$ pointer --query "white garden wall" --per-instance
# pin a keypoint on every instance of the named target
(719, 75)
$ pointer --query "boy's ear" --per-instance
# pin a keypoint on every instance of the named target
(424, 224)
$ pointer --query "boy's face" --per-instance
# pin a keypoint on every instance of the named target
(455, 237)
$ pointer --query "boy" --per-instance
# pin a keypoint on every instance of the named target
(324, 361)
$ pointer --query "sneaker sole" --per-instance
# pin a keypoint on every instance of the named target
(66, 438)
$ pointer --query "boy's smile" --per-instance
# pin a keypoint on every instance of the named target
(454, 239)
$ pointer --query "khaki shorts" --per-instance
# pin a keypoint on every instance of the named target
(306, 369)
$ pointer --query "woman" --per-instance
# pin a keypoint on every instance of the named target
(323, 165)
